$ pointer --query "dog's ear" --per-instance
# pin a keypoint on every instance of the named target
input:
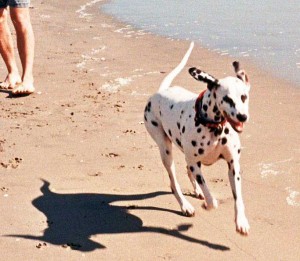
(204, 77)
(240, 73)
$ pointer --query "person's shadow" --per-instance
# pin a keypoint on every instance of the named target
(73, 218)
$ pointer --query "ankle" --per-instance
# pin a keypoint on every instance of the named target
(13, 71)
(27, 80)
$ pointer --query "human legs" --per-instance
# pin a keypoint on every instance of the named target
(7, 52)
(25, 41)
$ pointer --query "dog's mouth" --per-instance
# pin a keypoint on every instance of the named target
(237, 126)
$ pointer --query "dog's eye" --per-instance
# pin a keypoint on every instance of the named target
(244, 98)
(229, 101)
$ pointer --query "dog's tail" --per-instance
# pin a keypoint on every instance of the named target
(170, 77)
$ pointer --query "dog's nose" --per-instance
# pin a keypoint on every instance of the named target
(242, 117)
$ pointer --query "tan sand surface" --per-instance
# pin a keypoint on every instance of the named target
(82, 180)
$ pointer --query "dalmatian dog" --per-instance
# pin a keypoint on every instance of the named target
(205, 128)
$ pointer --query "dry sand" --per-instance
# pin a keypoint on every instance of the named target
(81, 179)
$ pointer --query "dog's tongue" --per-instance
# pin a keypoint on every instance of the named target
(239, 126)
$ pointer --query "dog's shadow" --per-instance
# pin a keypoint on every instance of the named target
(73, 218)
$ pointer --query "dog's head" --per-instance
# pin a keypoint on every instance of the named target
(231, 95)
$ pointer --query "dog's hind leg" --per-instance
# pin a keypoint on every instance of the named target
(195, 169)
(165, 148)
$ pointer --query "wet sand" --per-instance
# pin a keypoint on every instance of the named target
(81, 178)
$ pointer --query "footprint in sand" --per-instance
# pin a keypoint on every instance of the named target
(12, 163)
(129, 132)
(40, 245)
(111, 155)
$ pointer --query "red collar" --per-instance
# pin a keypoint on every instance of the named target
(199, 117)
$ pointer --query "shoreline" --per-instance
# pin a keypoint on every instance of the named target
(125, 27)
(108, 195)
(216, 50)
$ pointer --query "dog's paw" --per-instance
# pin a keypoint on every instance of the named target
(187, 209)
(199, 194)
(210, 205)
(242, 225)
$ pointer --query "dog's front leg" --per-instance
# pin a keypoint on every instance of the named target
(242, 225)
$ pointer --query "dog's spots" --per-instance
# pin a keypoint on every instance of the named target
(197, 123)
(224, 141)
(199, 164)
(229, 101)
(244, 98)
(160, 113)
(215, 96)
(203, 137)
(178, 125)
(145, 118)
(234, 195)
(232, 114)
(170, 133)
(239, 151)
(208, 143)
(148, 107)
(182, 112)
(171, 106)
(167, 152)
(215, 108)
(178, 142)
(199, 130)
(154, 123)
(190, 116)
(231, 161)
(217, 131)
(200, 179)
(238, 178)
(200, 151)
(217, 118)
(209, 103)
(226, 130)
(205, 107)
(192, 169)
(183, 129)
(233, 172)
(195, 155)
(194, 143)
(205, 115)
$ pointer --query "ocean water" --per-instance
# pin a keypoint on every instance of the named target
(268, 32)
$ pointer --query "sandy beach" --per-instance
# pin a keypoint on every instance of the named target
(82, 180)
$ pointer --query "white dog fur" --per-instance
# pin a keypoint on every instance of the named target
(204, 129)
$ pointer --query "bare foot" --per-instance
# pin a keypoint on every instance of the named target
(10, 82)
(23, 89)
